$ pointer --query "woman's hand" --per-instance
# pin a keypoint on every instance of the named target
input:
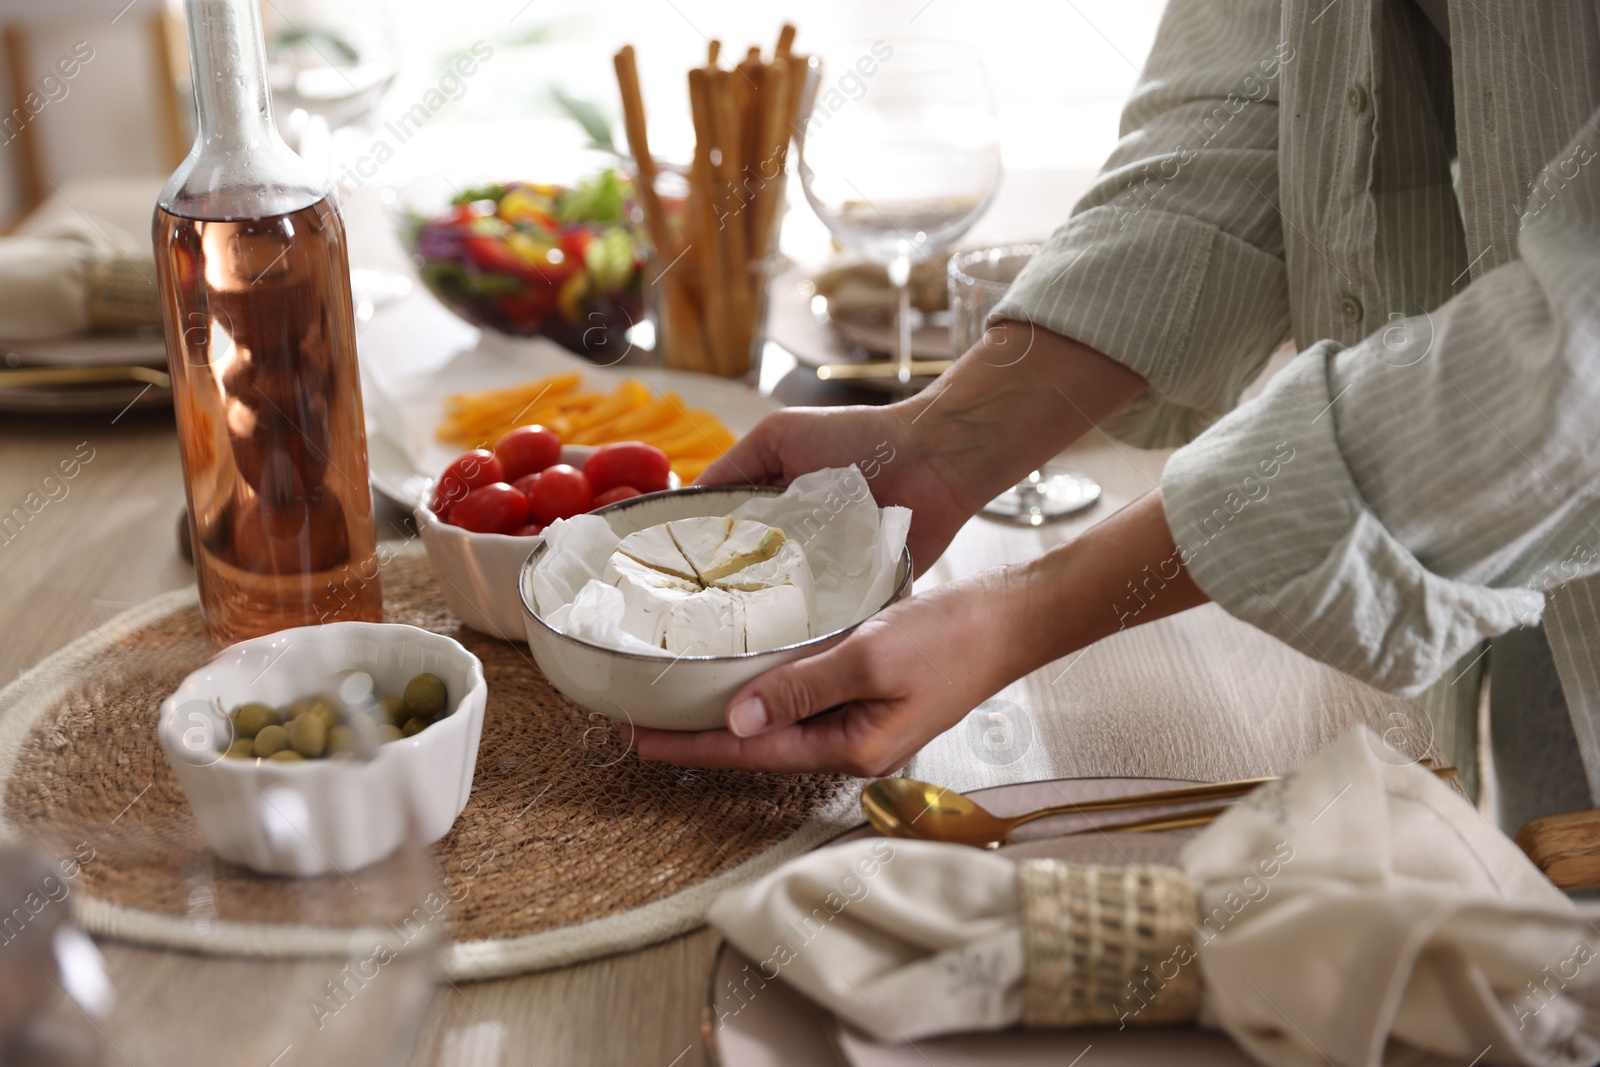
(1015, 399)
(881, 441)
(898, 680)
(913, 670)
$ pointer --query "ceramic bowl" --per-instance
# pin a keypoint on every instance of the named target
(319, 816)
(682, 693)
(478, 572)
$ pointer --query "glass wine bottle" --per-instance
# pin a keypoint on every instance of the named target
(255, 285)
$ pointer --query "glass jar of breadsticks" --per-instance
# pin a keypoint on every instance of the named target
(714, 224)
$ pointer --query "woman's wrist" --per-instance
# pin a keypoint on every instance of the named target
(1119, 573)
(1012, 401)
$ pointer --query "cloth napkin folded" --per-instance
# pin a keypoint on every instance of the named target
(1353, 913)
(72, 275)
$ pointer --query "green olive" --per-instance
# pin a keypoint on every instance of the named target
(287, 755)
(271, 740)
(391, 710)
(413, 727)
(308, 735)
(388, 732)
(243, 748)
(341, 739)
(248, 719)
(325, 708)
(425, 696)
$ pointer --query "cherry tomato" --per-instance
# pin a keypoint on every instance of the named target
(495, 508)
(611, 496)
(469, 471)
(527, 450)
(645, 467)
(558, 492)
(524, 484)
(533, 529)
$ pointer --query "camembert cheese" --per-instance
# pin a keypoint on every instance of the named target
(713, 586)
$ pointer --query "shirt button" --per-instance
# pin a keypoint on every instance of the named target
(1356, 99)
(1350, 308)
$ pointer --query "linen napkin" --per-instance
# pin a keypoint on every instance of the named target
(72, 275)
(1355, 913)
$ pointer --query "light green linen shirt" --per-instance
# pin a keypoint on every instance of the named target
(1287, 171)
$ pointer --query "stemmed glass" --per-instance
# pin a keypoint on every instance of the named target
(900, 154)
(978, 280)
(329, 65)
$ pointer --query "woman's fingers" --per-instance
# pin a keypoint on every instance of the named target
(845, 739)
(806, 687)
(754, 459)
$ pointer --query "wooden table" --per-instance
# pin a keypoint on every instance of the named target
(1200, 696)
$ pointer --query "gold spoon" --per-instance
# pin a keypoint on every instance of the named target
(905, 807)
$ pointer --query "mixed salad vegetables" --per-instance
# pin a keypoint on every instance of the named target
(529, 259)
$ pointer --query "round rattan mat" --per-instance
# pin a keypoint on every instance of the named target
(572, 846)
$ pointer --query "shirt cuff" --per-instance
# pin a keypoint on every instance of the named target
(1271, 525)
(1192, 309)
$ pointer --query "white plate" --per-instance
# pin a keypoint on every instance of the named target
(403, 455)
(754, 1023)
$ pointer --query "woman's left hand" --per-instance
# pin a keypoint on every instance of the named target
(912, 671)
(898, 680)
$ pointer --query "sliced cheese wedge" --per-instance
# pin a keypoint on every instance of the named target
(788, 567)
(655, 548)
(709, 623)
(647, 596)
(774, 617)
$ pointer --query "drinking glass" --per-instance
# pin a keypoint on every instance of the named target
(329, 63)
(900, 154)
(978, 280)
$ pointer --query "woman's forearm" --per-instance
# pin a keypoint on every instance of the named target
(1015, 399)
(1122, 572)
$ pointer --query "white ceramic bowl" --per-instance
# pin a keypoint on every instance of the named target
(685, 693)
(478, 572)
(319, 816)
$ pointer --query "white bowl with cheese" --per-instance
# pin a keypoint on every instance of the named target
(687, 611)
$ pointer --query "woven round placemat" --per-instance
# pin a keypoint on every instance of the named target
(572, 847)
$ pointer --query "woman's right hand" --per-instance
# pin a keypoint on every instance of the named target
(1015, 399)
(882, 441)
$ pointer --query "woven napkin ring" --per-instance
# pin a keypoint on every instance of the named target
(122, 294)
(1107, 945)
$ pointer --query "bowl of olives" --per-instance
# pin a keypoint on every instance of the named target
(291, 748)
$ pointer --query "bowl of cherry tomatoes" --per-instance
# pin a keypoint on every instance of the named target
(488, 508)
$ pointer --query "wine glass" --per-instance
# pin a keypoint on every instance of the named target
(329, 63)
(900, 154)
(978, 280)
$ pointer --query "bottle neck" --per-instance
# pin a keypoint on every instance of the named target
(239, 166)
(228, 56)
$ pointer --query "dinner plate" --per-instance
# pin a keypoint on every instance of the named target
(145, 350)
(751, 1022)
(815, 338)
(404, 456)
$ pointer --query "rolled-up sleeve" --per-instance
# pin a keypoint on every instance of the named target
(1385, 507)
(1172, 264)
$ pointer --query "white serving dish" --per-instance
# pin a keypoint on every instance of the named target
(682, 693)
(478, 572)
(320, 816)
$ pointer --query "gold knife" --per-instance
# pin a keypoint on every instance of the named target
(920, 368)
(13, 377)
